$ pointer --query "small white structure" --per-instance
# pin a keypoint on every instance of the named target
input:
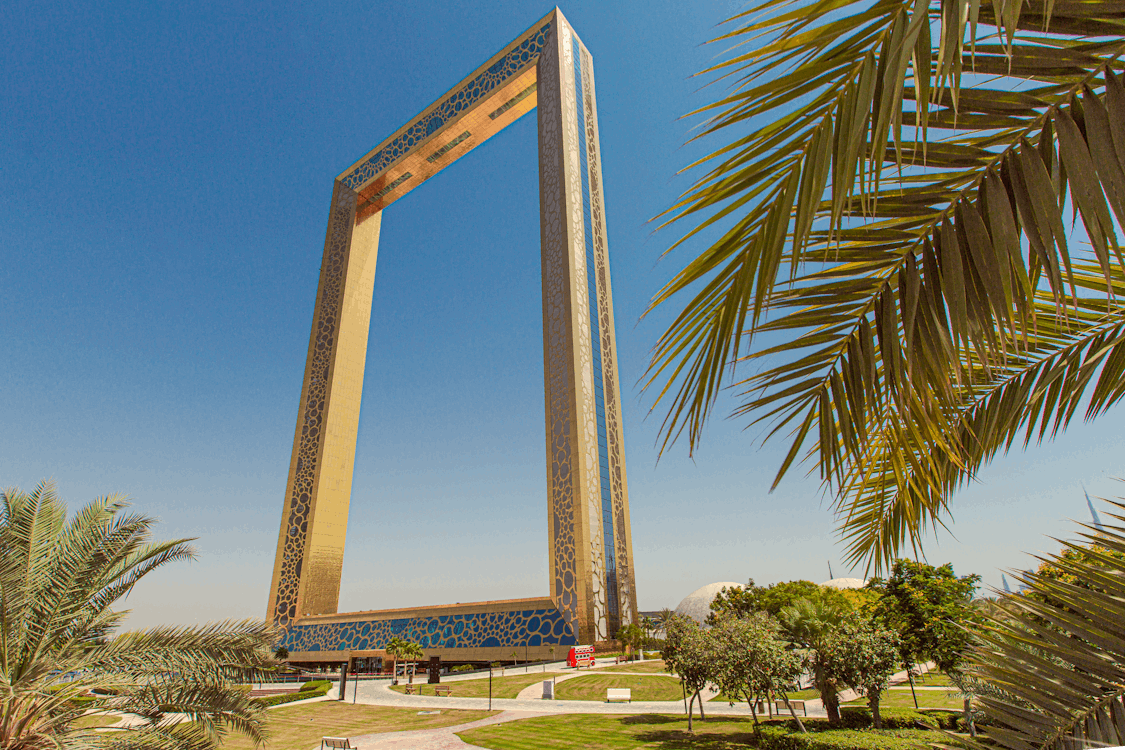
(618, 694)
(697, 604)
(845, 583)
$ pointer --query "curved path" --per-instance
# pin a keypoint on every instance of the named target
(444, 738)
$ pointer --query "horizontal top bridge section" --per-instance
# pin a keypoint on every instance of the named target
(495, 95)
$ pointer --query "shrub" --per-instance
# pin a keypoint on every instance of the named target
(321, 687)
(859, 717)
(778, 738)
(463, 668)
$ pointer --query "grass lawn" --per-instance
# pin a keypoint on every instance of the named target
(645, 687)
(797, 695)
(608, 732)
(612, 733)
(502, 687)
(926, 699)
(94, 720)
(932, 679)
(650, 666)
(302, 727)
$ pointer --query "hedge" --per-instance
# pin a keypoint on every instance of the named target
(318, 688)
(859, 717)
(779, 738)
(315, 685)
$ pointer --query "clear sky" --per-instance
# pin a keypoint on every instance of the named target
(165, 171)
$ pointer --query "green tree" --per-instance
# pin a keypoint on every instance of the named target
(754, 662)
(776, 597)
(863, 655)
(59, 581)
(631, 636)
(901, 328)
(412, 651)
(812, 625)
(395, 648)
(648, 626)
(690, 653)
(930, 608)
(281, 654)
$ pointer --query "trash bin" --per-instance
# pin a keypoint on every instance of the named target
(548, 690)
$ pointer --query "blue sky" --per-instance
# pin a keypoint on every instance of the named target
(165, 170)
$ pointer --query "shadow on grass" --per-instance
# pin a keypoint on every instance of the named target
(681, 740)
(711, 734)
(651, 719)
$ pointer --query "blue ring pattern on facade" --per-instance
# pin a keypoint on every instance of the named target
(609, 546)
(529, 627)
(520, 58)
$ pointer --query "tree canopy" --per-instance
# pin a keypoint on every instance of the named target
(929, 607)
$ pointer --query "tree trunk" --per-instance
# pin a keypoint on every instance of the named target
(827, 690)
(691, 706)
(769, 702)
(831, 704)
(969, 718)
(700, 697)
(910, 677)
(873, 702)
(754, 714)
(793, 713)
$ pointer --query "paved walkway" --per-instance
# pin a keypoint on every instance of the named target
(433, 739)
(380, 694)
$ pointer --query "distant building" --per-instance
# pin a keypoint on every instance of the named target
(845, 583)
(697, 604)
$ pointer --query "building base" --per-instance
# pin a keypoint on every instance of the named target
(506, 630)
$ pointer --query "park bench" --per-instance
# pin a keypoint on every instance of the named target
(442, 690)
(618, 694)
(779, 706)
(337, 743)
(411, 689)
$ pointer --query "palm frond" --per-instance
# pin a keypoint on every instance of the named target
(1054, 654)
(901, 303)
(59, 580)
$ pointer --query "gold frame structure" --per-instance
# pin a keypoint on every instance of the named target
(590, 546)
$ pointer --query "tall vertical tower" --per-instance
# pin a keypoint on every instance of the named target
(590, 549)
(591, 555)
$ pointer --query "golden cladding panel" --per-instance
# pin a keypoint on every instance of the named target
(329, 518)
(478, 124)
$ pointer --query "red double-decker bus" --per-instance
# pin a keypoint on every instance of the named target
(580, 656)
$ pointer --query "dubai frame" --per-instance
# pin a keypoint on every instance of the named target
(590, 550)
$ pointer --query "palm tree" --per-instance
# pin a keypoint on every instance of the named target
(394, 649)
(811, 625)
(904, 326)
(59, 579)
(413, 651)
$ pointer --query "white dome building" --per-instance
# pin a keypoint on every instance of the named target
(697, 604)
(845, 583)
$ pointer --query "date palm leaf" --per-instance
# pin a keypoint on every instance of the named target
(60, 654)
(1053, 654)
(917, 209)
